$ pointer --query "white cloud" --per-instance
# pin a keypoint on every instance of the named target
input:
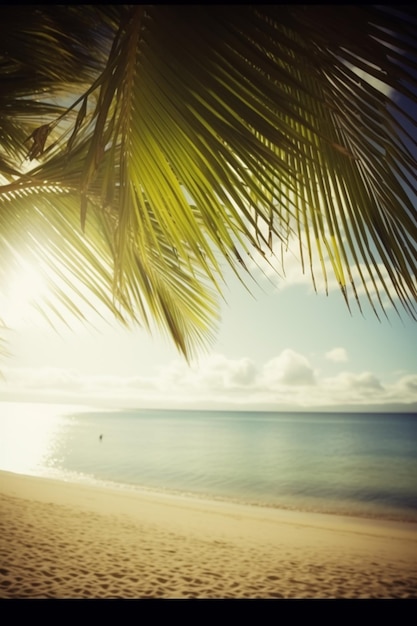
(288, 381)
(215, 373)
(289, 368)
(355, 388)
(410, 383)
(337, 355)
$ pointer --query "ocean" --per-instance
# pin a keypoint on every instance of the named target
(356, 464)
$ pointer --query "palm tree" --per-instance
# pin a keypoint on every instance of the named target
(141, 147)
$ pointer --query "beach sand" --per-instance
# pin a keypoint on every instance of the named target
(61, 540)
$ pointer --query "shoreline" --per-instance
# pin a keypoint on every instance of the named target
(67, 540)
(66, 489)
(374, 515)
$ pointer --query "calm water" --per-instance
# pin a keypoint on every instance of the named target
(357, 464)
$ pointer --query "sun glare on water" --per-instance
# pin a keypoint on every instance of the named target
(28, 434)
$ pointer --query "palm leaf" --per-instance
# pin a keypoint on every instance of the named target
(207, 132)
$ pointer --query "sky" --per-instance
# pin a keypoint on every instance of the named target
(282, 347)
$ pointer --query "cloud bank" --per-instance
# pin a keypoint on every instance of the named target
(289, 381)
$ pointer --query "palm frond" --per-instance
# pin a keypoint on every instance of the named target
(79, 268)
(206, 132)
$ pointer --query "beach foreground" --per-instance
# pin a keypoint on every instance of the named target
(61, 540)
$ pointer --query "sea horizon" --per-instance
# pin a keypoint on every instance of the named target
(90, 403)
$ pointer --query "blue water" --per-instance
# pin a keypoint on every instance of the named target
(354, 464)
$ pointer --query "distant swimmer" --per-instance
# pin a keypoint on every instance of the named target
(101, 437)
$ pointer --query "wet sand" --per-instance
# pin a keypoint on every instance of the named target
(62, 540)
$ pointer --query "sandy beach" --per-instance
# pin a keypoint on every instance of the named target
(61, 540)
